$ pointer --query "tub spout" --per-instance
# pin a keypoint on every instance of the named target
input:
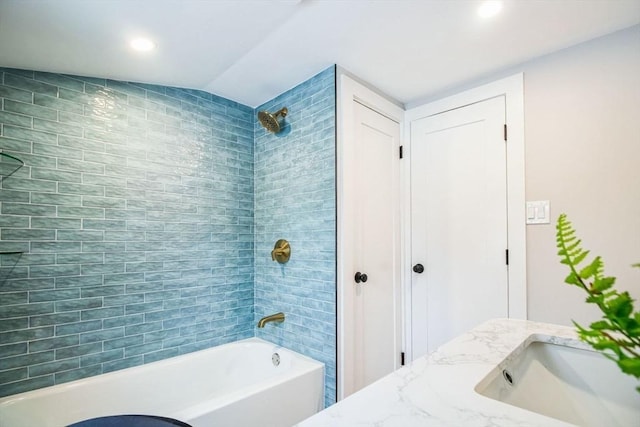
(278, 317)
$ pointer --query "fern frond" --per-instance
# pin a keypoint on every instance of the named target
(603, 284)
(592, 269)
(617, 335)
(578, 257)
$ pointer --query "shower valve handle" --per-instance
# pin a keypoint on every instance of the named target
(361, 277)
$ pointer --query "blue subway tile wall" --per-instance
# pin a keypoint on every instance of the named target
(134, 211)
(295, 199)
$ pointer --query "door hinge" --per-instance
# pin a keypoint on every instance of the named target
(401, 153)
(505, 132)
(402, 359)
(506, 253)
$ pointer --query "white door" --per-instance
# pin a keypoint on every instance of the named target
(458, 222)
(372, 228)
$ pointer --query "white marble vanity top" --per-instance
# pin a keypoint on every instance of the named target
(438, 390)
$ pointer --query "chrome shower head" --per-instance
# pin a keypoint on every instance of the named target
(270, 120)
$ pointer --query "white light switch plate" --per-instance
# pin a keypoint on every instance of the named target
(538, 212)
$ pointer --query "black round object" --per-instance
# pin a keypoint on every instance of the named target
(130, 421)
(361, 277)
(418, 268)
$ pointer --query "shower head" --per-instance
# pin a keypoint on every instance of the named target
(270, 120)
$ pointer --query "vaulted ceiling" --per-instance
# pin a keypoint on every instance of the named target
(252, 50)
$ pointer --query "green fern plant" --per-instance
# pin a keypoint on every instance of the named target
(617, 334)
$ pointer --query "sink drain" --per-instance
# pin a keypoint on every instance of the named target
(275, 359)
(507, 376)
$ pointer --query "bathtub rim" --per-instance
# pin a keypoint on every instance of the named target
(7, 401)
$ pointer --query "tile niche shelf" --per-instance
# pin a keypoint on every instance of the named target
(8, 166)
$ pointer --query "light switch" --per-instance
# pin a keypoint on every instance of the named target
(538, 212)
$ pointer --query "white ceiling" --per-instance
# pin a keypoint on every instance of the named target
(252, 50)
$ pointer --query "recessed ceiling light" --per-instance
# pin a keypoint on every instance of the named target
(489, 8)
(142, 44)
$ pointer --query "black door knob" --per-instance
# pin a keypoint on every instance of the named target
(418, 268)
(361, 277)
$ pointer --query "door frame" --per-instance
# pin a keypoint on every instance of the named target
(350, 90)
(513, 90)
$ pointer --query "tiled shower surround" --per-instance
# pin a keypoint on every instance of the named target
(135, 212)
(295, 200)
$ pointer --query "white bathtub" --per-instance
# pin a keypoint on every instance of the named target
(234, 385)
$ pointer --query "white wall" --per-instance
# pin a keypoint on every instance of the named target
(582, 138)
(582, 149)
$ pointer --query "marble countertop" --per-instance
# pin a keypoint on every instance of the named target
(438, 390)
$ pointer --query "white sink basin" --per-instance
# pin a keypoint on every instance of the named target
(574, 385)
